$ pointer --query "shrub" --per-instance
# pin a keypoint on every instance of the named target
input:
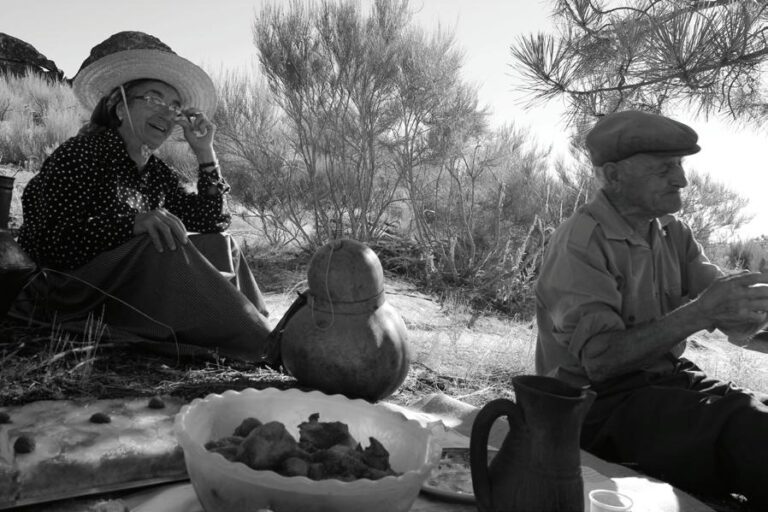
(713, 211)
(177, 154)
(749, 255)
(36, 115)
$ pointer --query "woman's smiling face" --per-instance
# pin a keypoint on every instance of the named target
(152, 122)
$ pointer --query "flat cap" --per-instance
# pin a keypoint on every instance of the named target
(622, 134)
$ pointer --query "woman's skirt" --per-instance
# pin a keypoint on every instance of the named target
(199, 298)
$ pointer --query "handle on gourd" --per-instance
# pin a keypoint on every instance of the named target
(478, 447)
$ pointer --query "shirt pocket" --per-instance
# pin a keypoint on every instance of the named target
(630, 300)
(673, 295)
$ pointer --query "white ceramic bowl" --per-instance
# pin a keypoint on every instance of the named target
(224, 486)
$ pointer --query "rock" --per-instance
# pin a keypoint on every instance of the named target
(156, 403)
(24, 444)
(100, 417)
(17, 56)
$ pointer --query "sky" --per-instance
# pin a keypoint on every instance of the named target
(218, 33)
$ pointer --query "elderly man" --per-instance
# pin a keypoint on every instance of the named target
(622, 285)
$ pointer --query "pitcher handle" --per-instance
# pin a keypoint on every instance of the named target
(478, 446)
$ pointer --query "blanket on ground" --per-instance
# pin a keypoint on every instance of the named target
(451, 421)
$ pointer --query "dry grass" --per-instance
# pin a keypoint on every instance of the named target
(455, 350)
(725, 361)
(40, 365)
(35, 117)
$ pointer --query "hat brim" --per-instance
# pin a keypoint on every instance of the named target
(676, 152)
(195, 87)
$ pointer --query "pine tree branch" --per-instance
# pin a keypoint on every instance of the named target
(747, 59)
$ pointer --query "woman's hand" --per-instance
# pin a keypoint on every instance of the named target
(198, 131)
(163, 227)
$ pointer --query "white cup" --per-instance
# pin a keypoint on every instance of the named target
(603, 500)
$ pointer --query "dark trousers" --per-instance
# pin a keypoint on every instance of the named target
(199, 299)
(694, 432)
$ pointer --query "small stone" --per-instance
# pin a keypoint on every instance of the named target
(100, 417)
(156, 403)
(24, 444)
(4, 418)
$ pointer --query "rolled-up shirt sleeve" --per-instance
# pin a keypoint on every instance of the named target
(599, 275)
(203, 211)
(581, 297)
(595, 281)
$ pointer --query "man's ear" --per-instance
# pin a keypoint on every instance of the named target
(611, 174)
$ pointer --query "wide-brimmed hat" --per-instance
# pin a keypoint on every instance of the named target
(622, 134)
(127, 56)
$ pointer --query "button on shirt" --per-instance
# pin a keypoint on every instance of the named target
(86, 197)
(599, 275)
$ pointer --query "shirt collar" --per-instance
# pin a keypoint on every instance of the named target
(615, 227)
(115, 141)
(113, 137)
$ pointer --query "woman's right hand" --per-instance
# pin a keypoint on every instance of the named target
(163, 227)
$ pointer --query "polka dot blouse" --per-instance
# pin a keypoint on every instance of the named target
(86, 196)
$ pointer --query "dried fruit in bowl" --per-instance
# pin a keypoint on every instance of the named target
(267, 446)
(324, 450)
(316, 435)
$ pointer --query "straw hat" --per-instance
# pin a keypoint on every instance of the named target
(127, 56)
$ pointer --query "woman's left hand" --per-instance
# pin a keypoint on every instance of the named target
(198, 131)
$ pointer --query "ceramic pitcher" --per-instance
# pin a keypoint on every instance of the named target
(538, 466)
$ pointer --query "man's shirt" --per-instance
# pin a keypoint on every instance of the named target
(599, 275)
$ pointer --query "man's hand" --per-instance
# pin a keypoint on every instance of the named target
(728, 300)
(742, 332)
(736, 300)
(164, 228)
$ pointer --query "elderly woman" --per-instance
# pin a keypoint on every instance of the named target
(107, 221)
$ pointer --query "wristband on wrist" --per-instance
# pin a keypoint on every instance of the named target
(209, 164)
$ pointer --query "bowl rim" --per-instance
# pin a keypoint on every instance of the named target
(271, 478)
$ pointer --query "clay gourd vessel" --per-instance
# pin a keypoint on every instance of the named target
(538, 466)
(346, 339)
(15, 269)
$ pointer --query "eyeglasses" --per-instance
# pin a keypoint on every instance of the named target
(160, 105)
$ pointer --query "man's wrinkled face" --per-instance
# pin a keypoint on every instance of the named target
(650, 186)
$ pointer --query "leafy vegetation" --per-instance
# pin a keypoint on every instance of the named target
(646, 54)
(359, 124)
(750, 255)
(714, 212)
(36, 115)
